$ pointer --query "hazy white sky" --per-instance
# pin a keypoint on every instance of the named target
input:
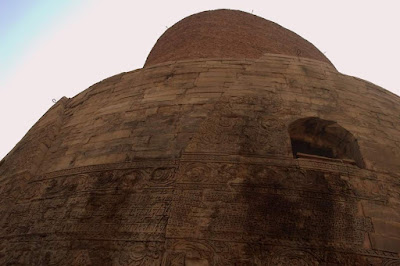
(55, 48)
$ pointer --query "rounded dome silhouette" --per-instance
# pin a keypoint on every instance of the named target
(228, 34)
(272, 160)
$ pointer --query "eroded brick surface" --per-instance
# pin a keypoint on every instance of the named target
(191, 163)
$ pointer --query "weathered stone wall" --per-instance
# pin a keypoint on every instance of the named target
(191, 162)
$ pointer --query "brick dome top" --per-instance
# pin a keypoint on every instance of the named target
(228, 34)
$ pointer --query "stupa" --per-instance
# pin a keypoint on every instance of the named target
(238, 143)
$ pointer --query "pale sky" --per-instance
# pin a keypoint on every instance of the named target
(55, 48)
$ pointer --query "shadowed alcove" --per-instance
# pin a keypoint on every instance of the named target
(323, 138)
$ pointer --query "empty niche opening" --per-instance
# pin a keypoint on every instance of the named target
(322, 138)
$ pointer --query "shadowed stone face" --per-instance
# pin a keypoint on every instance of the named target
(314, 136)
(273, 160)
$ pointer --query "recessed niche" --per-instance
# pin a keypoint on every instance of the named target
(315, 137)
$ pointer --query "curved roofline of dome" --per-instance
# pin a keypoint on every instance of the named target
(225, 33)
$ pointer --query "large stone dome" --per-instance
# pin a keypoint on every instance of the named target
(228, 34)
(274, 159)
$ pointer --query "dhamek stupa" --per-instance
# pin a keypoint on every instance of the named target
(238, 143)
